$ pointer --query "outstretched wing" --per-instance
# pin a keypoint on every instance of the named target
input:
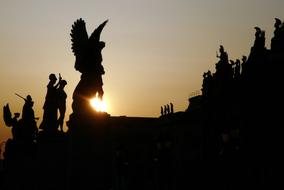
(79, 37)
(7, 115)
(97, 32)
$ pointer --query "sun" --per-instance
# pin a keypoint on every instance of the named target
(98, 104)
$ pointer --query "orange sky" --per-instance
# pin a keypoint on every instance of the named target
(156, 50)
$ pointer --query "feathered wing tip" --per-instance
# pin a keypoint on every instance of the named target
(79, 23)
(79, 36)
(97, 32)
(7, 115)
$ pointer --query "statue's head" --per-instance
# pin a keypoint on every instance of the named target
(52, 77)
(29, 100)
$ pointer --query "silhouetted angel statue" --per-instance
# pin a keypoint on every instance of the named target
(87, 51)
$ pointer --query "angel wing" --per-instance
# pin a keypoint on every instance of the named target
(97, 32)
(79, 37)
(7, 115)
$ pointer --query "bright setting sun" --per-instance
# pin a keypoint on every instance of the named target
(98, 104)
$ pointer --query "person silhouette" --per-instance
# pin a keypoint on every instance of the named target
(61, 102)
(162, 111)
(49, 120)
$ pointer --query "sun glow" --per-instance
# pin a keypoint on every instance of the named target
(98, 104)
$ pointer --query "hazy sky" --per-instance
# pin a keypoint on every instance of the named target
(156, 50)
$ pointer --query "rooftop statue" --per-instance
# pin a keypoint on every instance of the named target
(87, 51)
(90, 141)
(259, 43)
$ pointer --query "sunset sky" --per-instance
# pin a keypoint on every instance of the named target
(156, 50)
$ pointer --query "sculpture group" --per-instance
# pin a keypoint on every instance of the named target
(30, 141)
(87, 51)
(25, 129)
(230, 137)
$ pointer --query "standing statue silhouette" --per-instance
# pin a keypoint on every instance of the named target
(171, 108)
(162, 111)
(49, 120)
(61, 102)
(28, 118)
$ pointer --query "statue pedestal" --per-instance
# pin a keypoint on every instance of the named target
(90, 151)
(90, 139)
